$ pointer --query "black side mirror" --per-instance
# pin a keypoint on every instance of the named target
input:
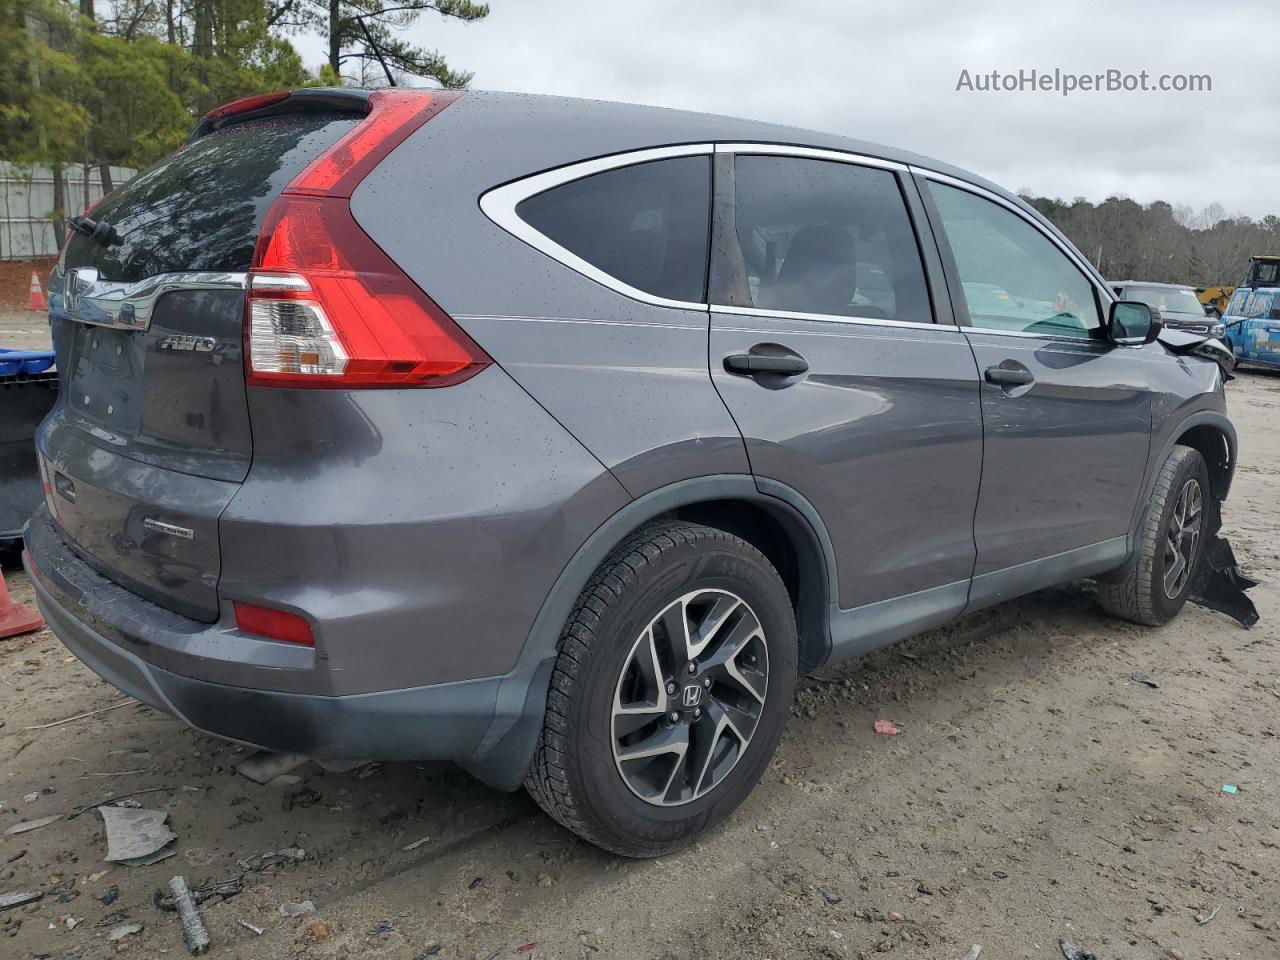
(1131, 323)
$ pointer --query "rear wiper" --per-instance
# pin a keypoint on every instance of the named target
(99, 231)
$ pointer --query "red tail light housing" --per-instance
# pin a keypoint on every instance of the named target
(273, 624)
(326, 307)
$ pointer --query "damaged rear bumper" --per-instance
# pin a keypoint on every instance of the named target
(111, 630)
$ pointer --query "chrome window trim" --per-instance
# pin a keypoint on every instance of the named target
(812, 153)
(1108, 296)
(79, 294)
(1057, 338)
(721, 308)
(499, 205)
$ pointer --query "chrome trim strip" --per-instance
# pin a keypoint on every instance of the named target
(81, 296)
(499, 205)
(813, 153)
(830, 318)
(1035, 336)
(1083, 265)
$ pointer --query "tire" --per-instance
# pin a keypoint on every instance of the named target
(1146, 594)
(615, 646)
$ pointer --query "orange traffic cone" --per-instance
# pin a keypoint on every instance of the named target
(16, 618)
(36, 299)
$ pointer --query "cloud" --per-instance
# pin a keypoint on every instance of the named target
(888, 73)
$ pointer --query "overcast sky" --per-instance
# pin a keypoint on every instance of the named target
(887, 72)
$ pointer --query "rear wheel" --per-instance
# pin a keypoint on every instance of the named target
(1154, 588)
(674, 677)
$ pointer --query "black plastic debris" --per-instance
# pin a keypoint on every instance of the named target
(1071, 952)
(1220, 584)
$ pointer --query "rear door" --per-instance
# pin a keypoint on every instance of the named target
(1066, 414)
(150, 439)
(825, 348)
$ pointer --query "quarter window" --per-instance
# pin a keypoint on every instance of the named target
(1013, 277)
(646, 225)
(820, 237)
(1256, 305)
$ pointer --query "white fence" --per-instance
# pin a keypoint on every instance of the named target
(26, 202)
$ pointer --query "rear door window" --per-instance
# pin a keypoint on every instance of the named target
(820, 237)
(200, 208)
(646, 225)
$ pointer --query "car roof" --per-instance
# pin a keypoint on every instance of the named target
(637, 127)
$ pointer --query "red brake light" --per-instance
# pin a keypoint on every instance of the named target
(274, 624)
(326, 307)
(245, 104)
(393, 115)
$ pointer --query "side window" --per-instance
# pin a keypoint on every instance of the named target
(646, 225)
(1274, 312)
(1013, 276)
(1236, 307)
(822, 237)
(1255, 306)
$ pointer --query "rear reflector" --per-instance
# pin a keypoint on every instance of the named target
(325, 306)
(274, 624)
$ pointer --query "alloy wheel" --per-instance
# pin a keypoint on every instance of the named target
(1183, 538)
(689, 697)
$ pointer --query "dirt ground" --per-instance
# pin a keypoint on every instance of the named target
(23, 329)
(15, 283)
(1035, 793)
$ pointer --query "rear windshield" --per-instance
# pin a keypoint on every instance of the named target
(200, 208)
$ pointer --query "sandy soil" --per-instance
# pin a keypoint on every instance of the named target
(1035, 793)
(23, 329)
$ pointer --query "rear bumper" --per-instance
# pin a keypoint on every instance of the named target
(111, 630)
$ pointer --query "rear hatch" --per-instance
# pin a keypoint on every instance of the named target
(151, 438)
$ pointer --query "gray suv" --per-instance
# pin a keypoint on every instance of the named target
(556, 438)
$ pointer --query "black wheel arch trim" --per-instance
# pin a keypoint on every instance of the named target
(507, 748)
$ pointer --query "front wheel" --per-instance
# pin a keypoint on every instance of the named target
(673, 680)
(1170, 544)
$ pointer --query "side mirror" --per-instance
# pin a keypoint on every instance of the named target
(1131, 323)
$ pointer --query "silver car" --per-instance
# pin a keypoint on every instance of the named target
(557, 438)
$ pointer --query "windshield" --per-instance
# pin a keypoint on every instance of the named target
(1166, 299)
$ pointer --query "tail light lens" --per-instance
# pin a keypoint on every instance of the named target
(326, 307)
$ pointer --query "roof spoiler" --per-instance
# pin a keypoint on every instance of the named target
(306, 100)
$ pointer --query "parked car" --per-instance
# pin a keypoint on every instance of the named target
(556, 438)
(1252, 324)
(1173, 305)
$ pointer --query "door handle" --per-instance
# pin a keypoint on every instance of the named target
(1010, 377)
(757, 361)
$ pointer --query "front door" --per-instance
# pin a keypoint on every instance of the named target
(824, 347)
(1066, 414)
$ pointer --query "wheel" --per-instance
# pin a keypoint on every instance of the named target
(673, 680)
(1171, 539)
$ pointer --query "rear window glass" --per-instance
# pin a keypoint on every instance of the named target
(646, 225)
(200, 208)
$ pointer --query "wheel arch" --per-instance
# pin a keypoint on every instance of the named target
(775, 519)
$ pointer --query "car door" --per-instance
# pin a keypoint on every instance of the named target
(1066, 414)
(1233, 321)
(825, 348)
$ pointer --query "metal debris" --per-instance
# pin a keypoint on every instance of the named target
(974, 952)
(263, 766)
(249, 926)
(297, 909)
(136, 837)
(27, 825)
(124, 930)
(194, 934)
(1139, 677)
(415, 845)
(8, 900)
(1071, 952)
(1203, 920)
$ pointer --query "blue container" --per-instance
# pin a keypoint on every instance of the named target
(14, 362)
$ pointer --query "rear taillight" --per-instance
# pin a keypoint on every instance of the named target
(326, 307)
(273, 624)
